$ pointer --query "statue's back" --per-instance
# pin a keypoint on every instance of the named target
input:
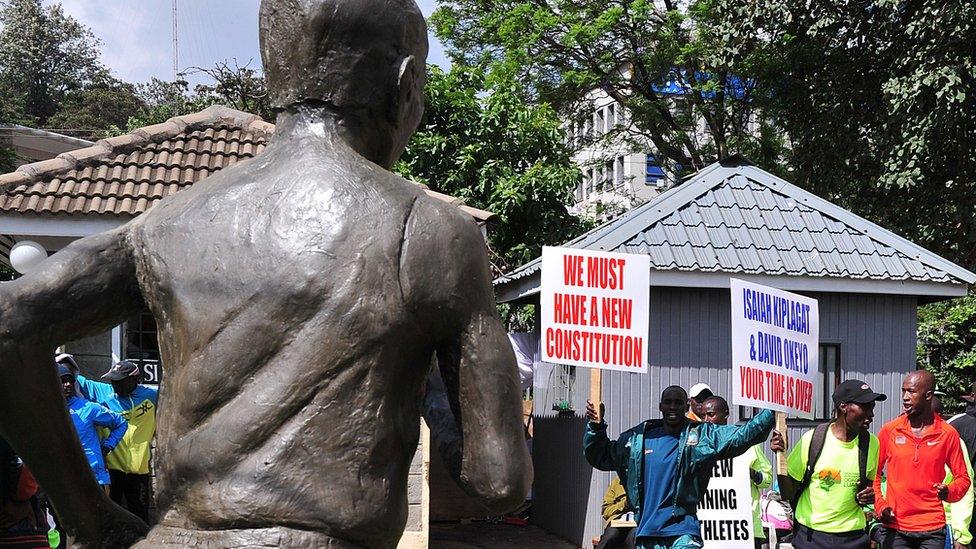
(294, 367)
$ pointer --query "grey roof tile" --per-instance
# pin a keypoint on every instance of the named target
(812, 220)
(844, 242)
(782, 239)
(675, 234)
(753, 217)
(712, 215)
(728, 259)
(705, 257)
(719, 237)
(761, 238)
(691, 215)
(803, 241)
(765, 199)
(700, 236)
(732, 217)
(724, 198)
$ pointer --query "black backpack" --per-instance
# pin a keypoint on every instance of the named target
(816, 448)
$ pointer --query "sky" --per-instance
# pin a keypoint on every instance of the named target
(137, 35)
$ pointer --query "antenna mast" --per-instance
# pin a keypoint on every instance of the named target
(176, 46)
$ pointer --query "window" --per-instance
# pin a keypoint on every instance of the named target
(655, 173)
(618, 179)
(591, 181)
(608, 175)
(142, 346)
(611, 116)
(829, 378)
(563, 382)
(601, 123)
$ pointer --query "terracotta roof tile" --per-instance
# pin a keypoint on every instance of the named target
(128, 174)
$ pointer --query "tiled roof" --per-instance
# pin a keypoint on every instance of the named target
(126, 175)
(737, 218)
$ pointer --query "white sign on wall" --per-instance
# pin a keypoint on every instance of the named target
(775, 346)
(594, 309)
(725, 509)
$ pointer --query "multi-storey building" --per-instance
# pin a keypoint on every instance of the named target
(619, 172)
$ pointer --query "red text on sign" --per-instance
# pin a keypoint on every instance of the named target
(776, 388)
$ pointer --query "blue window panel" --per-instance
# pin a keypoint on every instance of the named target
(654, 174)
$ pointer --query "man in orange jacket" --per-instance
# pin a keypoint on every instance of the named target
(914, 450)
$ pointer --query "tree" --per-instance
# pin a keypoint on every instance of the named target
(96, 111)
(44, 55)
(163, 100)
(879, 101)
(947, 344)
(241, 88)
(669, 64)
(481, 142)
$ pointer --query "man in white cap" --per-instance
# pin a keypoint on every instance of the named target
(128, 463)
(697, 396)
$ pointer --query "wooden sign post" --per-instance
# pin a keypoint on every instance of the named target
(596, 388)
(781, 456)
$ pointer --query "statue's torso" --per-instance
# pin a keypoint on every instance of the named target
(294, 368)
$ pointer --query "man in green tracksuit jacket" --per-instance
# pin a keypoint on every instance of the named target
(665, 465)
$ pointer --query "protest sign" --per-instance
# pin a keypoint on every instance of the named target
(775, 345)
(725, 509)
(594, 308)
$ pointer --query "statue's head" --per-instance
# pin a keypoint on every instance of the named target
(363, 58)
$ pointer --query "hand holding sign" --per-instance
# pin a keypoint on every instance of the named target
(591, 413)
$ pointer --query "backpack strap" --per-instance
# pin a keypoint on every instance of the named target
(863, 448)
(813, 454)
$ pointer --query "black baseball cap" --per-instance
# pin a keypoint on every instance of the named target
(854, 390)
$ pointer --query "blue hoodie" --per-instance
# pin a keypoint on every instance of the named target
(86, 416)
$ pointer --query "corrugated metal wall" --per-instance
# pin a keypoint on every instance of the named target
(690, 342)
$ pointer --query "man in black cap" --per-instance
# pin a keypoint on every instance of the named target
(128, 463)
(965, 424)
(830, 472)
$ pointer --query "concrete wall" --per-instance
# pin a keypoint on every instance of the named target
(93, 354)
(416, 534)
(690, 342)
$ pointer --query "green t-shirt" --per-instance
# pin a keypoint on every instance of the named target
(828, 504)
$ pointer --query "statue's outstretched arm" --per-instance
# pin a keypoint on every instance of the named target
(85, 289)
(474, 405)
(485, 447)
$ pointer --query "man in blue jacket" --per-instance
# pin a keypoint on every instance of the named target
(665, 465)
(86, 417)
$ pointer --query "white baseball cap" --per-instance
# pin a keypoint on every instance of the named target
(697, 389)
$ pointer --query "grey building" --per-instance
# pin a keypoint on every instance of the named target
(731, 220)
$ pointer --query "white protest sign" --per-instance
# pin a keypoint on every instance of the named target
(725, 509)
(595, 308)
(775, 346)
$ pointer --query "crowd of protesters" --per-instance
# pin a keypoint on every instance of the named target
(909, 487)
(114, 421)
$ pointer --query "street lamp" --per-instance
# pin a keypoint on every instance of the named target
(25, 255)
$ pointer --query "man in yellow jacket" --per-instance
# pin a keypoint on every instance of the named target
(716, 410)
(959, 515)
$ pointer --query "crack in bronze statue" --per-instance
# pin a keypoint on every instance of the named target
(300, 297)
